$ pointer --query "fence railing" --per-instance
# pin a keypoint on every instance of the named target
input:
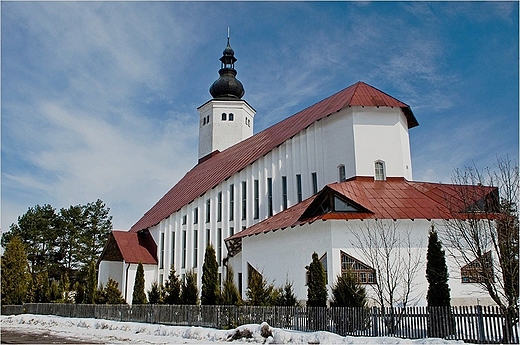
(478, 324)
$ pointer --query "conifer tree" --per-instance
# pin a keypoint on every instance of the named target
(15, 273)
(190, 293)
(317, 284)
(172, 288)
(259, 292)
(138, 295)
(79, 293)
(210, 284)
(230, 294)
(112, 293)
(286, 297)
(347, 292)
(436, 272)
(155, 294)
(90, 292)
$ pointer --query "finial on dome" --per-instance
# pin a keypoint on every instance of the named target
(227, 86)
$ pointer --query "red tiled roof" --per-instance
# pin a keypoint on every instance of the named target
(209, 173)
(395, 198)
(134, 247)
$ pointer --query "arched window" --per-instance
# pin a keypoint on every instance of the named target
(231, 117)
(224, 117)
(342, 173)
(379, 167)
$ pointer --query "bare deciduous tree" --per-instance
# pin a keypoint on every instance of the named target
(388, 248)
(483, 232)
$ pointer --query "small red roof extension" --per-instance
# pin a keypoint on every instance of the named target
(395, 198)
(209, 173)
(135, 247)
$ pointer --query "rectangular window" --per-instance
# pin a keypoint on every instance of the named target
(219, 207)
(219, 246)
(195, 247)
(184, 218)
(231, 231)
(240, 284)
(342, 173)
(208, 237)
(299, 187)
(172, 259)
(184, 249)
(257, 200)
(231, 202)
(269, 196)
(208, 210)
(284, 192)
(244, 200)
(314, 183)
(196, 215)
(161, 257)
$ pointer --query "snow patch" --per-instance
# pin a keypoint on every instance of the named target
(98, 330)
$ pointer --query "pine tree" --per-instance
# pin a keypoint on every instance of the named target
(138, 295)
(286, 297)
(189, 293)
(112, 293)
(79, 295)
(210, 284)
(347, 292)
(436, 273)
(317, 284)
(155, 294)
(172, 288)
(90, 292)
(15, 273)
(230, 294)
(259, 292)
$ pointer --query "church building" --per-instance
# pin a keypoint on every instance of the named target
(267, 201)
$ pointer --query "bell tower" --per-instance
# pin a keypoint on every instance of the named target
(226, 119)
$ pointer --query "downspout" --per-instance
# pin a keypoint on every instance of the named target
(126, 281)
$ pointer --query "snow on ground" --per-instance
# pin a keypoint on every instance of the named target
(113, 332)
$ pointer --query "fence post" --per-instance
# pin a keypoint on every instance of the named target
(480, 324)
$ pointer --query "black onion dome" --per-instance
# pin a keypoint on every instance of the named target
(227, 86)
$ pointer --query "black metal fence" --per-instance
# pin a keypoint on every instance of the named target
(471, 324)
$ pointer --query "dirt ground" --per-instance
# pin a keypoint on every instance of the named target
(10, 336)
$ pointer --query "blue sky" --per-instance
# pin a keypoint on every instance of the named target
(99, 98)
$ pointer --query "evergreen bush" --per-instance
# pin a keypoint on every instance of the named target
(138, 295)
(190, 293)
(210, 285)
(172, 288)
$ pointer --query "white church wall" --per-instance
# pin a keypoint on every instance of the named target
(381, 134)
(111, 269)
(285, 253)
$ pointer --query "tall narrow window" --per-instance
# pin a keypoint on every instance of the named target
(196, 215)
(224, 117)
(219, 246)
(379, 171)
(231, 117)
(257, 200)
(183, 249)
(314, 183)
(184, 218)
(269, 196)
(195, 247)
(231, 202)
(244, 200)
(342, 173)
(172, 259)
(299, 187)
(219, 207)
(161, 257)
(231, 231)
(208, 237)
(284, 192)
(240, 283)
(208, 210)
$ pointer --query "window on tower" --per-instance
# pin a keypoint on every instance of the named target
(224, 116)
(379, 171)
(342, 173)
(231, 117)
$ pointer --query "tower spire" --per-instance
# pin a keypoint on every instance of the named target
(227, 86)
